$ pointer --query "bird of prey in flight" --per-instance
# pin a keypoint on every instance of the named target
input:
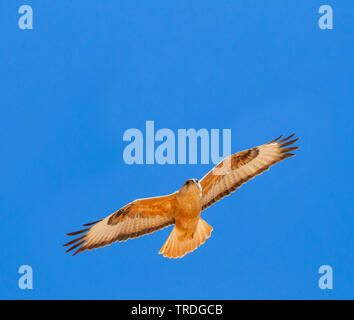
(183, 207)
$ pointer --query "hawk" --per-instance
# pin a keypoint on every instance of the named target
(183, 207)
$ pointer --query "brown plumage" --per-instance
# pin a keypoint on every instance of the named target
(183, 207)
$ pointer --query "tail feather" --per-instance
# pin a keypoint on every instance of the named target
(175, 248)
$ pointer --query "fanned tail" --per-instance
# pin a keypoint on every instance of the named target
(175, 248)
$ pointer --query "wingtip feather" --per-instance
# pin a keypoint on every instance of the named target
(75, 246)
(77, 232)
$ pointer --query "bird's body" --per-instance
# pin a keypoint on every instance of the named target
(190, 230)
(188, 208)
(183, 207)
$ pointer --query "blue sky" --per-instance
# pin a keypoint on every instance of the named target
(89, 70)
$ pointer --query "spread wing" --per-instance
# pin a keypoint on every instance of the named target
(136, 219)
(240, 167)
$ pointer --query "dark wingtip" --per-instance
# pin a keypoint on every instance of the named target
(287, 143)
(77, 251)
(91, 223)
(276, 139)
(75, 246)
(288, 155)
(77, 232)
(73, 241)
(287, 138)
(82, 237)
(289, 149)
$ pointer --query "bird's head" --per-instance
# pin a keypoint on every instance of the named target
(191, 181)
(192, 184)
